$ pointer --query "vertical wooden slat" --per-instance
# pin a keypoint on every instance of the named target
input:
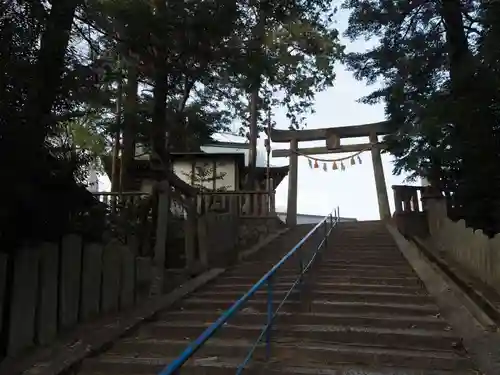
(231, 202)
(127, 280)
(91, 280)
(256, 206)
(245, 204)
(203, 238)
(225, 201)
(69, 288)
(190, 237)
(47, 314)
(264, 204)
(3, 281)
(208, 202)
(111, 270)
(214, 186)
(24, 300)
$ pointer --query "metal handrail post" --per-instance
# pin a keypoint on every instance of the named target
(301, 268)
(269, 316)
(325, 236)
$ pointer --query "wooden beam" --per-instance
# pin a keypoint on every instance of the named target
(380, 128)
(324, 150)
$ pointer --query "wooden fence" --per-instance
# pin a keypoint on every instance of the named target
(241, 203)
(471, 249)
(50, 288)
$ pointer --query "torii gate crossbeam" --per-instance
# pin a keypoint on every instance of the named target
(332, 137)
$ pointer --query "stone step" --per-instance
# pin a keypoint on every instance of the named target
(327, 265)
(399, 281)
(333, 287)
(317, 306)
(348, 260)
(360, 310)
(360, 253)
(220, 365)
(363, 263)
(367, 258)
(312, 319)
(297, 353)
(320, 271)
(349, 335)
(351, 238)
(314, 293)
(374, 245)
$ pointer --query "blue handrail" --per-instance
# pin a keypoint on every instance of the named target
(328, 222)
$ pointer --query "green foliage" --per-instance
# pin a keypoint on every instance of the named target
(287, 50)
(196, 61)
(437, 66)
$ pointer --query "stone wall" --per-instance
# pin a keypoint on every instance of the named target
(411, 223)
(253, 230)
(217, 239)
(222, 236)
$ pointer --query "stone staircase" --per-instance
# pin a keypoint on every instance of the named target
(361, 310)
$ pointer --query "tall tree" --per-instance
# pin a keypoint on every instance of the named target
(437, 94)
(37, 75)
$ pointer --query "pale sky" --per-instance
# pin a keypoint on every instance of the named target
(353, 190)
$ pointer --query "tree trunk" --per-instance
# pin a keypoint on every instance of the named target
(160, 128)
(256, 50)
(460, 56)
(129, 129)
(253, 135)
(115, 171)
(49, 68)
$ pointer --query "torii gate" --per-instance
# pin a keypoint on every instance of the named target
(332, 136)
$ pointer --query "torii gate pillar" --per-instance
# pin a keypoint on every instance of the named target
(380, 186)
(291, 210)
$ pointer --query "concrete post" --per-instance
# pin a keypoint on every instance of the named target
(378, 171)
(398, 202)
(291, 212)
(436, 210)
(190, 228)
(161, 239)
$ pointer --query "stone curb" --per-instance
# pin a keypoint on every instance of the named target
(466, 318)
(93, 338)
